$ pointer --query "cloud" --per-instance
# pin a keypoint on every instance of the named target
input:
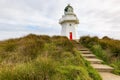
(97, 17)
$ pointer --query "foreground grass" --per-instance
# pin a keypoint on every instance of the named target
(43, 58)
(106, 49)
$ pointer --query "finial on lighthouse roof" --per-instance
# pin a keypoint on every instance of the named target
(69, 4)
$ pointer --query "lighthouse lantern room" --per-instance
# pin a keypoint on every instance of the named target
(69, 23)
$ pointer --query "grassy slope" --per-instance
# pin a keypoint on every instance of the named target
(107, 49)
(43, 58)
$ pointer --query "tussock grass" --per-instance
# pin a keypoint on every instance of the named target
(40, 57)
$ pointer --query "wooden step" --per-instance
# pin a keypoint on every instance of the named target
(109, 76)
(94, 60)
(88, 55)
(83, 49)
(86, 52)
(102, 67)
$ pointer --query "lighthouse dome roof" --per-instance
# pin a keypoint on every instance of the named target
(68, 8)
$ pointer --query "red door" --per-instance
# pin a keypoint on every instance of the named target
(70, 35)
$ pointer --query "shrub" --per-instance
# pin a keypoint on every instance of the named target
(62, 42)
(74, 73)
(88, 41)
(98, 51)
(31, 48)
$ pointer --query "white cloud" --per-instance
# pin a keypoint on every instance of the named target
(97, 17)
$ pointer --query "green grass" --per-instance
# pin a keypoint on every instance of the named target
(36, 57)
(106, 49)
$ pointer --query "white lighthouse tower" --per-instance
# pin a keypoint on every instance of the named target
(69, 23)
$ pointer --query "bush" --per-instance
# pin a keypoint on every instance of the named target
(98, 51)
(31, 48)
(38, 70)
(74, 73)
(88, 41)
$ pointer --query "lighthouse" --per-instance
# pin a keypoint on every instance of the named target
(69, 23)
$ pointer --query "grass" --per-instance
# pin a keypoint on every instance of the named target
(35, 57)
(106, 49)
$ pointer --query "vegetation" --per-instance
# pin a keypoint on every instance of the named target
(43, 58)
(106, 48)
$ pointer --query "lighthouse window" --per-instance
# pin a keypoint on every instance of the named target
(70, 24)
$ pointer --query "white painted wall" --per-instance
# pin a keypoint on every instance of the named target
(69, 27)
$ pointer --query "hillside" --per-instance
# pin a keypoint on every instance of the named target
(36, 57)
(106, 49)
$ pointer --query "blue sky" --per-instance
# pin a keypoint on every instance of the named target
(21, 17)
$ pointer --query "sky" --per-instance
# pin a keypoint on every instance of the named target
(22, 17)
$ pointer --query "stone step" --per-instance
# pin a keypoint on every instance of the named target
(86, 52)
(102, 67)
(109, 76)
(88, 55)
(94, 60)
